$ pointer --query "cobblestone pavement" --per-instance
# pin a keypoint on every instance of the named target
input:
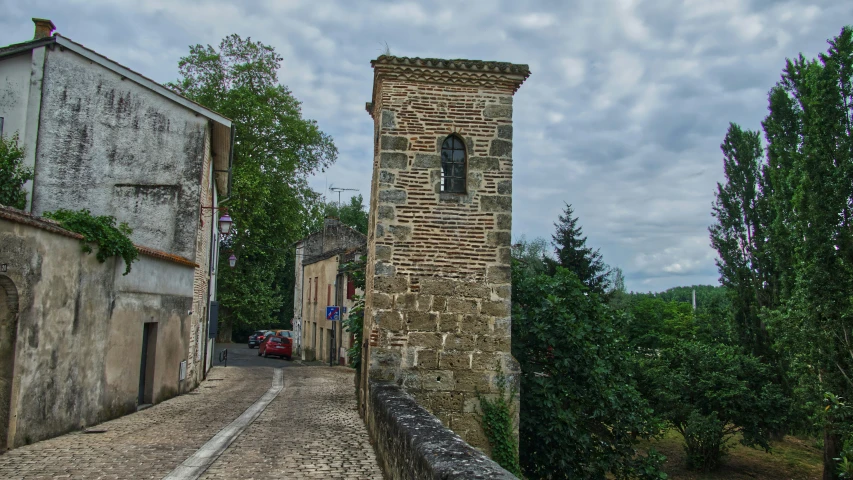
(310, 428)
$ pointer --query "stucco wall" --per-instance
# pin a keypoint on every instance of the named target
(14, 89)
(114, 147)
(79, 333)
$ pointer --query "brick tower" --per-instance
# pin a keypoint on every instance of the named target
(437, 317)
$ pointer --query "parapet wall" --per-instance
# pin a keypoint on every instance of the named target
(412, 444)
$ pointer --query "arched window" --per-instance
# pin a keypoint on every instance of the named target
(453, 165)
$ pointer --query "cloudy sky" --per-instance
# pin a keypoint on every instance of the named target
(622, 116)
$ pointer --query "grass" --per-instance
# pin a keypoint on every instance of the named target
(790, 459)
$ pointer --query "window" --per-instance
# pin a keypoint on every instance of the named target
(350, 288)
(316, 287)
(453, 165)
(329, 295)
(309, 289)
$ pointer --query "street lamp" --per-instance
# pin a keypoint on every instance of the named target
(232, 260)
(225, 223)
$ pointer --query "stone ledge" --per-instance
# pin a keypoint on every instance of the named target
(412, 444)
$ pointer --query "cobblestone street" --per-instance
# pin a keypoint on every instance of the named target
(310, 430)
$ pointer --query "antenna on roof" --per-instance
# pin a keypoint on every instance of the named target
(339, 190)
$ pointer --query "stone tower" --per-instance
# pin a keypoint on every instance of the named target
(437, 312)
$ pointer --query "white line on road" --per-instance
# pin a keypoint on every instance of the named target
(195, 465)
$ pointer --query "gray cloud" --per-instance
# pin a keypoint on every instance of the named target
(622, 117)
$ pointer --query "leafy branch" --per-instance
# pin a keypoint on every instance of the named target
(112, 240)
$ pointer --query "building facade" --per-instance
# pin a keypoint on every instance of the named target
(102, 137)
(438, 287)
(321, 282)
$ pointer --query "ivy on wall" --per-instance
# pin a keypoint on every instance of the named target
(112, 239)
(497, 422)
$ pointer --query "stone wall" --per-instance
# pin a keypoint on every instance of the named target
(77, 331)
(437, 319)
(412, 444)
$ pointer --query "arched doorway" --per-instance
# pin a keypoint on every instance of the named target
(8, 336)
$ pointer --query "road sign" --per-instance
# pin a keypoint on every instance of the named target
(333, 313)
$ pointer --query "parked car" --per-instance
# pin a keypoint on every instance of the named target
(276, 346)
(256, 338)
(284, 333)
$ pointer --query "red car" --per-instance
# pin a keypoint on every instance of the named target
(276, 346)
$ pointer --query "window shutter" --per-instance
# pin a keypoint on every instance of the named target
(350, 288)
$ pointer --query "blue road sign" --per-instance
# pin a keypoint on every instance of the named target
(333, 313)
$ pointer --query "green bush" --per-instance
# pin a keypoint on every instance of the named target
(112, 239)
(13, 175)
(710, 393)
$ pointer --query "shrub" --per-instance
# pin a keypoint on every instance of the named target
(112, 239)
(13, 175)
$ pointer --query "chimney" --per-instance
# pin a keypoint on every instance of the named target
(44, 28)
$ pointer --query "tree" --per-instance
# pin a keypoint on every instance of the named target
(275, 151)
(353, 214)
(532, 255)
(711, 392)
(573, 254)
(580, 411)
(740, 238)
(13, 174)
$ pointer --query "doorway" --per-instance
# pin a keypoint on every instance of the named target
(8, 337)
(146, 364)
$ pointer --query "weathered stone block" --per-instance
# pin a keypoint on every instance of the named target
(386, 178)
(494, 203)
(492, 343)
(498, 239)
(399, 161)
(459, 341)
(384, 269)
(380, 230)
(439, 302)
(483, 164)
(497, 111)
(504, 222)
(384, 252)
(455, 360)
(437, 380)
(499, 274)
(475, 179)
(425, 340)
(461, 305)
(426, 359)
(468, 426)
(505, 132)
(424, 303)
(487, 361)
(446, 401)
(389, 142)
(504, 291)
(382, 300)
(448, 322)
(393, 196)
(500, 148)
(495, 309)
(437, 286)
(422, 321)
(505, 255)
(389, 120)
(472, 289)
(400, 232)
(505, 187)
(503, 326)
(405, 302)
(388, 319)
(477, 324)
(423, 160)
(390, 284)
(385, 212)
(470, 381)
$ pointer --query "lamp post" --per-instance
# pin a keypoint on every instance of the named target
(232, 260)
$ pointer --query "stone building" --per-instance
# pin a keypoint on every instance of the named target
(437, 319)
(321, 282)
(102, 137)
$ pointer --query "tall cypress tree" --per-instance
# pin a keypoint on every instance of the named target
(573, 254)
